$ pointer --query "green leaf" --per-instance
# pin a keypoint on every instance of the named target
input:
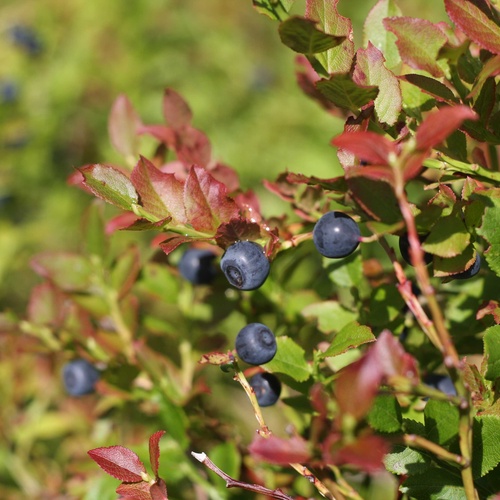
(376, 33)
(275, 9)
(486, 456)
(331, 316)
(435, 484)
(489, 227)
(347, 272)
(370, 70)
(385, 414)
(405, 461)
(431, 86)
(290, 360)
(448, 237)
(96, 241)
(344, 93)
(226, 457)
(419, 42)
(491, 341)
(444, 268)
(302, 36)
(385, 305)
(352, 335)
(111, 185)
(441, 421)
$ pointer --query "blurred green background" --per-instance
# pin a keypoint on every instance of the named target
(63, 63)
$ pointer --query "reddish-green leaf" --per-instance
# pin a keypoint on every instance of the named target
(170, 241)
(376, 33)
(370, 70)
(280, 451)
(176, 110)
(46, 305)
(110, 184)
(206, 202)
(345, 93)
(337, 59)
(162, 195)
(368, 146)
(158, 490)
(134, 491)
(493, 308)
(302, 36)
(119, 462)
(236, 230)
(123, 125)
(438, 125)
(154, 451)
(475, 23)
(419, 42)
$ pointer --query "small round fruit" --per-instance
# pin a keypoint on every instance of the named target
(79, 377)
(256, 344)
(245, 265)
(441, 382)
(469, 273)
(267, 388)
(196, 265)
(404, 248)
(336, 235)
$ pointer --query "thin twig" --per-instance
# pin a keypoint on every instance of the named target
(416, 441)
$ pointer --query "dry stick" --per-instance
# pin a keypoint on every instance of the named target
(450, 355)
(233, 483)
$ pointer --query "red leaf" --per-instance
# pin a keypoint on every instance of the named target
(46, 305)
(123, 125)
(377, 173)
(367, 453)
(368, 146)
(154, 451)
(206, 202)
(161, 194)
(121, 221)
(236, 230)
(159, 490)
(226, 175)
(478, 24)
(176, 110)
(172, 242)
(280, 451)
(192, 146)
(119, 462)
(438, 125)
(135, 491)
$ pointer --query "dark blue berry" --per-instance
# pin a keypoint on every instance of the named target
(336, 235)
(245, 265)
(197, 266)
(79, 377)
(25, 38)
(267, 388)
(404, 248)
(469, 273)
(256, 344)
(441, 382)
(8, 91)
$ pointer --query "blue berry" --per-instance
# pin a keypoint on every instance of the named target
(9, 91)
(256, 344)
(245, 265)
(196, 265)
(441, 382)
(79, 377)
(25, 38)
(267, 388)
(336, 235)
(469, 273)
(404, 248)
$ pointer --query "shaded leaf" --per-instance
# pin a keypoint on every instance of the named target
(405, 461)
(438, 125)
(176, 110)
(170, 241)
(441, 421)
(275, 9)
(345, 93)
(475, 23)
(123, 124)
(154, 450)
(431, 86)
(435, 484)
(125, 270)
(119, 462)
(352, 335)
(158, 490)
(280, 451)
(136, 491)
(448, 237)
(370, 70)
(302, 35)
(331, 316)
(486, 430)
(445, 267)
(290, 360)
(493, 308)
(491, 342)
(110, 184)
(236, 230)
(489, 226)
(419, 42)
(385, 414)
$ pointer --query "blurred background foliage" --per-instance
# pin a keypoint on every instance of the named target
(62, 64)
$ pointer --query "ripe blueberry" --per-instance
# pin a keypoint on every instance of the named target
(256, 344)
(196, 266)
(441, 382)
(245, 265)
(469, 273)
(79, 377)
(336, 235)
(25, 38)
(404, 248)
(267, 388)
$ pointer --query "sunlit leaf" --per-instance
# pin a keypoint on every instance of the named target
(122, 127)
(491, 341)
(290, 360)
(154, 450)
(119, 462)
(352, 335)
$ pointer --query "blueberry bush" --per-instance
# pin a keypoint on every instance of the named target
(347, 347)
